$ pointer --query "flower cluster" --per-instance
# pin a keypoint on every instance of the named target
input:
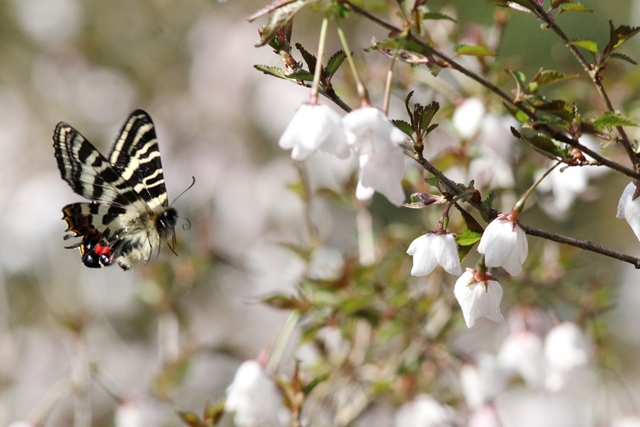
(503, 243)
(366, 131)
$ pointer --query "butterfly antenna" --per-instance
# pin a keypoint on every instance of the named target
(193, 182)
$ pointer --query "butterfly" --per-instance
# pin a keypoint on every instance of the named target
(128, 215)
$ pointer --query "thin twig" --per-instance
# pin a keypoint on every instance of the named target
(593, 74)
(492, 213)
(555, 134)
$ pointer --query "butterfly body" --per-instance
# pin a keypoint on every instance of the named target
(128, 216)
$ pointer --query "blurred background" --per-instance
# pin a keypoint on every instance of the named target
(170, 334)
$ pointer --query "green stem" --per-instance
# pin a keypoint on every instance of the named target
(362, 91)
(520, 204)
(387, 87)
(318, 71)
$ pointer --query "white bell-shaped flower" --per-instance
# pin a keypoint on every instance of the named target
(424, 411)
(377, 141)
(432, 249)
(254, 398)
(504, 244)
(315, 127)
(479, 295)
(629, 209)
(567, 350)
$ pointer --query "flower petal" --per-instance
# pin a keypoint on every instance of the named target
(424, 259)
(446, 251)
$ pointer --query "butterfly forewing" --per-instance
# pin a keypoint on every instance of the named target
(137, 157)
(128, 216)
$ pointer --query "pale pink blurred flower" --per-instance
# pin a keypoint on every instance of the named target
(468, 117)
(522, 352)
(254, 398)
(566, 184)
(483, 380)
(432, 249)
(479, 295)
(629, 208)
(377, 141)
(129, 414)
(629, 421)
(315, 127)
(424, 411)
(22, 424)
(504, 244)
(485, 416)
(567, 350)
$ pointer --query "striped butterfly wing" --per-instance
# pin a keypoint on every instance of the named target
(136, 156)
(128, 214)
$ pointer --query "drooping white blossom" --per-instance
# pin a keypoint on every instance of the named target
(482, 380)
(522, 352)
(315, 127)
(629, 209)
(377, 141)
(567, 350)
(254, 398)
(478, 297)
(432, 249)
(504, 244)
(468, 117)
(424, 411)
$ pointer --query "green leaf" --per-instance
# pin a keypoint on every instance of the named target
(271, 71)
(588, 45)
(472, 225)
(609, 120)
(623, 57)
(574, 7)
(334, 63)
(300, 75)
(472, 50)
(517, 113)
(285, 302)
(518, 76)
(279, 15)
(556, 3)
(546, 77)
(307, 389)
(621, 34)
(437, 16)
(468, 238)
(408, 50)
(560, 108)
(427, 115)
(403, 126)
(213, 413)
(309, 58)
(190, 419)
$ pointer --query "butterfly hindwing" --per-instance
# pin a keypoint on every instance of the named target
(128, 216)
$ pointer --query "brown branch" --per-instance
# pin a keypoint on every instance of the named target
(593, 74)
(492, 213)
(555, 134)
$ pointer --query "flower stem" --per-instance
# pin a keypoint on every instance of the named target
(362, 91)
(282, 341)
(313, 99)
(520, 203)
(387, 87)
